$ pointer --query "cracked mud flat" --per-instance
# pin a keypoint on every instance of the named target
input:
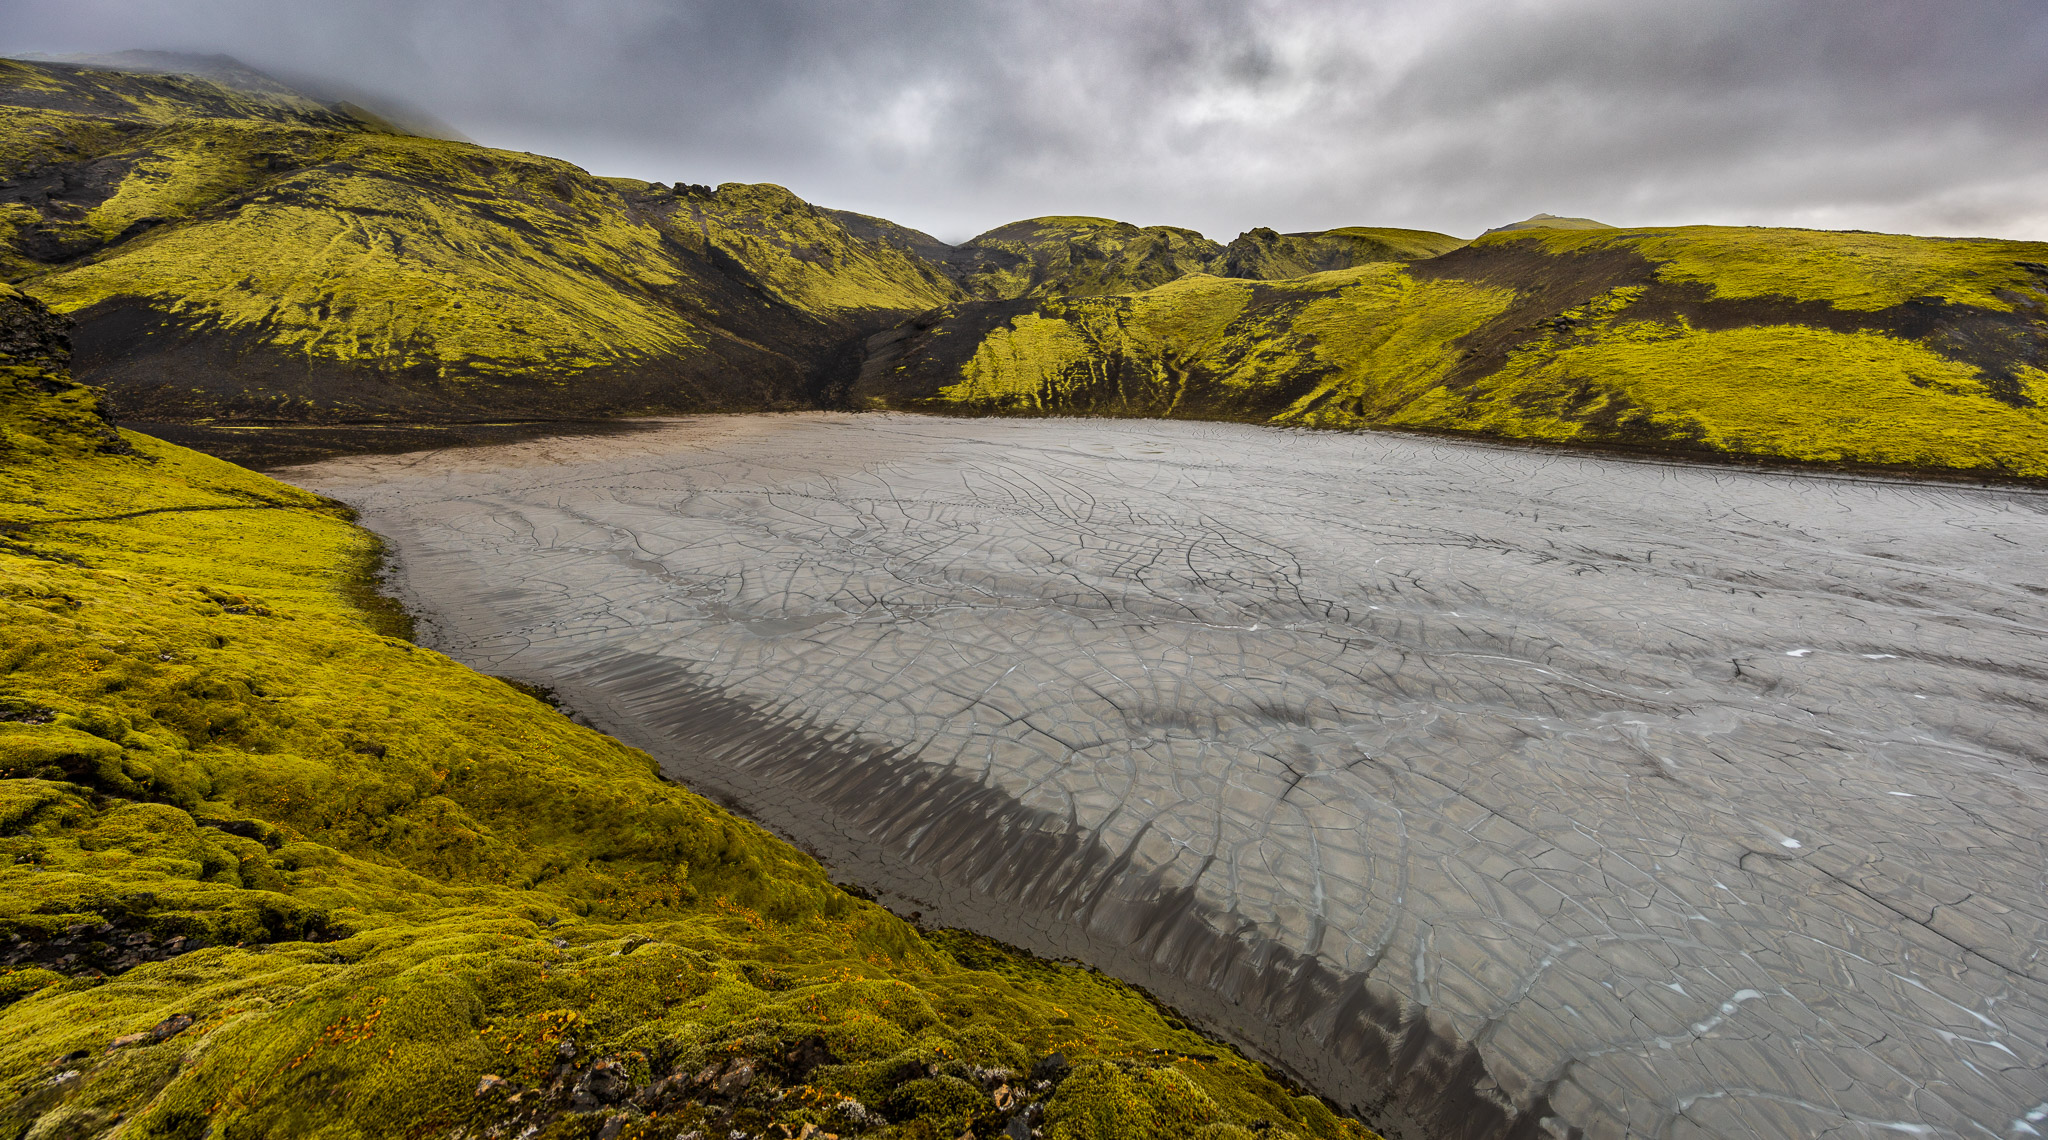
(1488, 790)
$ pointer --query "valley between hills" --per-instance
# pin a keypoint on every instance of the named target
(1450, 783)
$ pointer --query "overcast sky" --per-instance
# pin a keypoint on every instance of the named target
(1922, 116)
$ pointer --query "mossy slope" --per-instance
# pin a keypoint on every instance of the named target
(235, 255)
(1879, 350)
(267, 870)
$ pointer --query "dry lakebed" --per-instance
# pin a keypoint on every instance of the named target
(1540, 791)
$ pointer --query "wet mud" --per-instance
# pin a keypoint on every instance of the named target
(1492, 791)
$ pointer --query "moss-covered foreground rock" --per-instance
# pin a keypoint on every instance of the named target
(268, 870)
(1921, 354)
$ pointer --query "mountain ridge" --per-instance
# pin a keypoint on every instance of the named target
(242, 254)
(1869, 351)
(241, 257)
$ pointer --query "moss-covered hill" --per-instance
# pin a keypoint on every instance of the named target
(1842, 348)
(268, 869)
(235, 254)
(1086, 257)
(246, 252)
(1550, 222)
(1263, 255)
(1046, 257)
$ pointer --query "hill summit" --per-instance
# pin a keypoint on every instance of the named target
(1550, 222)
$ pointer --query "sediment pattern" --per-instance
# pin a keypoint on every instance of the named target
(1492, 791)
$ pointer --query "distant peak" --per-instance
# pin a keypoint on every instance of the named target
(225, 70)
(1073, 221)
(380, 111)
(1551, 222)
(1030, 228)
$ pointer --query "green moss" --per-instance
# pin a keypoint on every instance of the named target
(344, 264)
(32, 138)
(302, 241)
(1386, 345)
(281, 874)
(806, 257)
(1080, 257)
(1075, 222)
(1402, 244)
(406, 252)
(1550, 222)
(1186, 314)
(1266, 255)
(1030, 363)
(2033, 384)
(1368, 339)
(150, 97)
(1778, 391)
(1385, 338)
(1852, 271)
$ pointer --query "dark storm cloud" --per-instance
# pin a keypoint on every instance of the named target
(955, 115)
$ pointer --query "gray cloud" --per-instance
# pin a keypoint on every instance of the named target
(957, 115)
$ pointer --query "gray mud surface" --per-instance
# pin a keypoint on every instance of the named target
(1490, 791)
